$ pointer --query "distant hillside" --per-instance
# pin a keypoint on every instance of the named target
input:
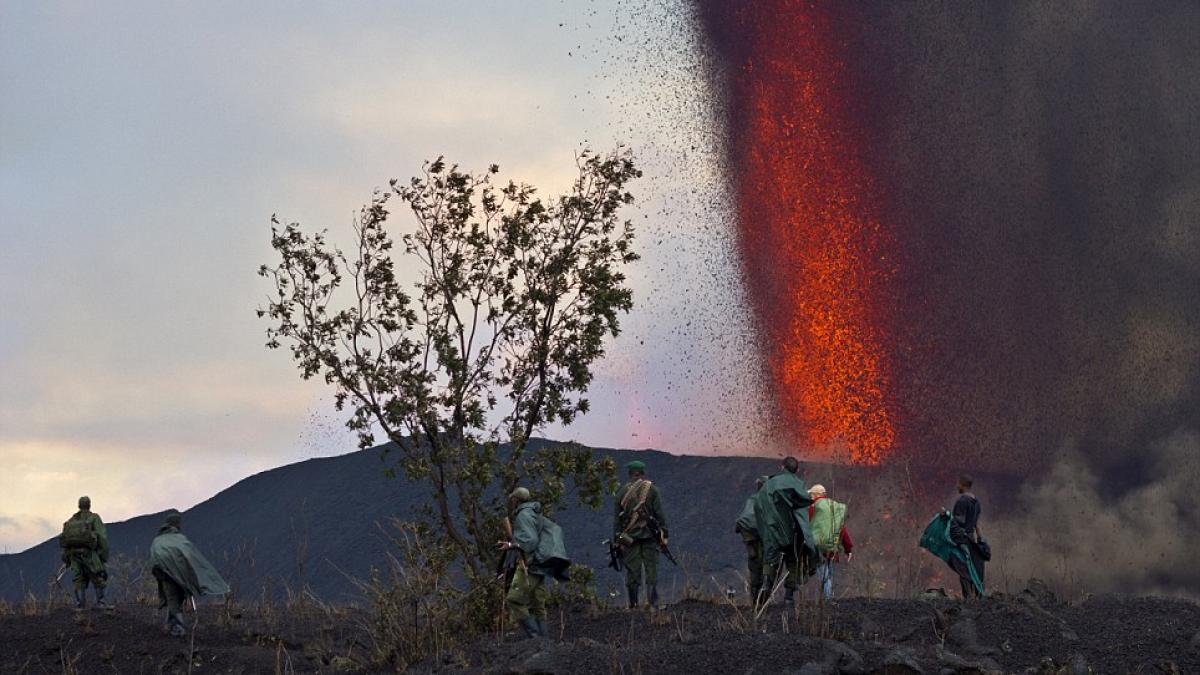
(324, 515)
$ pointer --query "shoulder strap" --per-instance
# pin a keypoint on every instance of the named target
(641, 485)
(635, 516)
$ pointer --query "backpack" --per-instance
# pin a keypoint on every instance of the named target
(78, 533)
(828, 519)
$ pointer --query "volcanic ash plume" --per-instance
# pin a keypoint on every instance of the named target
(970, 233)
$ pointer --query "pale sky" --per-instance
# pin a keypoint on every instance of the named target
(144, 146)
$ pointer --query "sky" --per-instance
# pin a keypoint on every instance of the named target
(145, 145)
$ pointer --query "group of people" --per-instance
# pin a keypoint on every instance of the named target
(793, 530)
(791, 533)
(795, 550)
(180, 571)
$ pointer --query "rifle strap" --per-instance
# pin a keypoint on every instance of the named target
(643, 486)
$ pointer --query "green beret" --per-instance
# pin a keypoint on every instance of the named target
(636, 465)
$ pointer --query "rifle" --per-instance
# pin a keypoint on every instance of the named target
(506, 564)
(614, 554)
(656, 532)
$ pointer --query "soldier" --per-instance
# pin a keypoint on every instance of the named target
(181, 571)
(781, 513)
(748, 528)
(84, 546)
(640, 529)
(543, 554)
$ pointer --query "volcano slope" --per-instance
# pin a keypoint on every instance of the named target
(1028, 632)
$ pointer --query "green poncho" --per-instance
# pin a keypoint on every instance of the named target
(936, 539)
(172, 553)
(541, 541)
(746, 523)
(781, 515)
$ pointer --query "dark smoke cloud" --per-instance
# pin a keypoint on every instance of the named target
(1040, 166)
(1044, 171)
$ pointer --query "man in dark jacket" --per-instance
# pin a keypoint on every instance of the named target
(181, 572)
(640, 529)
(748, 528)
(964, 531)
(84, 550)
(781, 512)
(543, 554)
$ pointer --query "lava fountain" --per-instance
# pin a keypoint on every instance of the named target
(814, 249)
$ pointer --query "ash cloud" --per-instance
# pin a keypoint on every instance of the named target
(1083, 537)
(1040, 167)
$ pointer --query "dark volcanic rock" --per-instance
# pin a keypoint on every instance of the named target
(900, 661)
(1039, 591)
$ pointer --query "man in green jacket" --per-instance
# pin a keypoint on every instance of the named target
(543, 554)
(748, 528)
(640, 529)
(84, 548)
(781, 514)
(181, 571)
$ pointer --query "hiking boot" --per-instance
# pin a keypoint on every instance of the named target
(80, 599)
(541, 623)
(100, 601)
(654, 597)
(175, 625)
(532, 629)
(633, 597)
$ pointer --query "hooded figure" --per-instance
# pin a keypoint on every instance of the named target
(84, 548)
(781, 515)
(540, 541)
(181, 571)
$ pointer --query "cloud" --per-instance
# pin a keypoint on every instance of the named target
(136, 182)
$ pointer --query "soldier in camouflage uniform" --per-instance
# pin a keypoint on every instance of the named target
(637, 514)
(86, 559)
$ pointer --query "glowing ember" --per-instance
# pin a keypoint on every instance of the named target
(811, 242)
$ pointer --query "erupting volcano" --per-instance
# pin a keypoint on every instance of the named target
(813, 242)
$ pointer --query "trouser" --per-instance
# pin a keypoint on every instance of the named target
(964, 575)
(641, 553)
(87, 568)
(172, 596)
(777, 562)
(825, 577)
(527, 596)
(754, 565)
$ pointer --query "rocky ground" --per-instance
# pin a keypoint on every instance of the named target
(1030, 632)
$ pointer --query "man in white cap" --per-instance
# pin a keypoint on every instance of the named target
(828, 519)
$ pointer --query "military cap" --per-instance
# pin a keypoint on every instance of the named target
(636, 465)
(174, 519)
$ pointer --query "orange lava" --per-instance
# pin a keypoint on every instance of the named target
(812, 244)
